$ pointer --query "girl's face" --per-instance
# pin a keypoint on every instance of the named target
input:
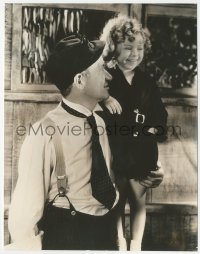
(130, 53)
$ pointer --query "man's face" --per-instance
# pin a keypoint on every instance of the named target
(131, 53)
(97, 79)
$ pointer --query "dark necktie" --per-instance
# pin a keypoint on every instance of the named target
(101, 184)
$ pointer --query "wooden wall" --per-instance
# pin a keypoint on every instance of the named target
(171, 210)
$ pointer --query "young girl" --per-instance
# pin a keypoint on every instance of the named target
(136, 99)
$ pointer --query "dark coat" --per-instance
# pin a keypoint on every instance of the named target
(135, 151)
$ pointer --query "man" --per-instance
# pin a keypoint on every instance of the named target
(70, 172)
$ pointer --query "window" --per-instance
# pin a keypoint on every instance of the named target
(36, 30)
(173, 31)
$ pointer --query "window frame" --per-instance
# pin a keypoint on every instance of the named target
(176, 11)
(170, 10)
(16, 83)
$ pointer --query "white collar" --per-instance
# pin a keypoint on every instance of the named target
(80, 108)
(77, 107)
(97, 108)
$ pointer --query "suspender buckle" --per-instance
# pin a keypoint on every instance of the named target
(61, 192)
(61, 177)
(140, 118)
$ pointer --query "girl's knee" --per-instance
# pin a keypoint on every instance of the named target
(136, 190)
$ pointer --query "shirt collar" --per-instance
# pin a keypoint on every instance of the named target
(77, 107)
(80, 108)
(97, 108)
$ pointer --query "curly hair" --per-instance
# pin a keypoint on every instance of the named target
(121, 27)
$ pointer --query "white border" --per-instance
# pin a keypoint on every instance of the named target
(2, 32)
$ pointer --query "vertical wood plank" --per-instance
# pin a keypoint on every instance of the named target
(6, 234)
(179, 157)
(25, 114)
(136, 11)
(8, 144)
(8, 45)
(16, 47)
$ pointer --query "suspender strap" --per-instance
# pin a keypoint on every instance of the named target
(60, 163)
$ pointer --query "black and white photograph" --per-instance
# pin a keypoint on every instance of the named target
(100, 126)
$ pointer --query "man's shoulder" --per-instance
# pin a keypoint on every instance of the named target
(38, 129)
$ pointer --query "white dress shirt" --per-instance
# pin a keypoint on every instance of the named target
(37, 178)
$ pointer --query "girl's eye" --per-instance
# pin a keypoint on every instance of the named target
(140, 48)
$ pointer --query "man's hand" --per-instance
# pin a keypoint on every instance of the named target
(154, 179)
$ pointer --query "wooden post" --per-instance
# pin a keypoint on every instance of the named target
(8, 45)
(136, 11)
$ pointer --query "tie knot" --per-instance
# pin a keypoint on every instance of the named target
(91, 120)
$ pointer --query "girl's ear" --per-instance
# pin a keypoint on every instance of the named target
(79, 81)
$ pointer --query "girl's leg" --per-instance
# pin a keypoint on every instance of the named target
(137, 200)
(122, 185)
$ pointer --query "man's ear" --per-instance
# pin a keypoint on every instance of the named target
(79, 81)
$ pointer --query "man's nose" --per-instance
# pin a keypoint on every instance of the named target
(108, 75)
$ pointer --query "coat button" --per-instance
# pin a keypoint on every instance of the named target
(135, 134)
(73, 213)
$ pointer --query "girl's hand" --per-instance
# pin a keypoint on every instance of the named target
(113, 105)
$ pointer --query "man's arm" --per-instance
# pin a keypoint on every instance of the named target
(29, 196)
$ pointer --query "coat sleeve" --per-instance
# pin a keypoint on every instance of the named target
(29, 196)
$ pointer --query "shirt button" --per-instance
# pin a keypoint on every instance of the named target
(73, 213)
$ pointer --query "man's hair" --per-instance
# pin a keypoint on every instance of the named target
(121, 27)
(66, 91)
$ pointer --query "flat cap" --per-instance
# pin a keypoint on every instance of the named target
(72, 55)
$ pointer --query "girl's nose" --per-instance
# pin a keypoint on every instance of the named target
(134, 52)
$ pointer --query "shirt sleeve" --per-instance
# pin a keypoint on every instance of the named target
(29, 196)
